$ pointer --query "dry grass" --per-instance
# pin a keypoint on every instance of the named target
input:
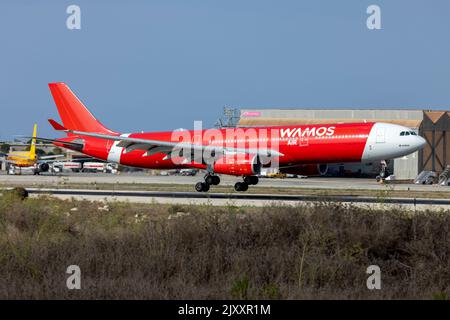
(193, 252)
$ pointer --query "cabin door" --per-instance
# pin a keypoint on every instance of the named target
(381, 135)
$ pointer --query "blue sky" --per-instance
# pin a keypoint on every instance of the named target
(160, 65)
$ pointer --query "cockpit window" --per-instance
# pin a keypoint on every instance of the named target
(402, 133)
(413, 133)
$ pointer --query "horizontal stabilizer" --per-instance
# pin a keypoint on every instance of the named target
(66, 143)
(56, 125)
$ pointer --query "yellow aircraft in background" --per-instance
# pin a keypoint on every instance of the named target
(28, 159)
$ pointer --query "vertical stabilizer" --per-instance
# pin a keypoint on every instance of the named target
(32, 153)
(74, 115)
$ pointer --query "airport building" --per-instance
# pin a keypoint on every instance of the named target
(434, 126)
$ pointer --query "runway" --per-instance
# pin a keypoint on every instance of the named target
(241, 199)
(235, 196)
(49, 180)
(135, 188)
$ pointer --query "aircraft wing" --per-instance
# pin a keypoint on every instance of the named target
(157, 146)
(67, 143)
(51, 157)
(13, 155)
(40, 160)
(24, 157)
(9, 161)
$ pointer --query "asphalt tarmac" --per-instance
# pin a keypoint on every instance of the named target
(48, 181)
(144, 178)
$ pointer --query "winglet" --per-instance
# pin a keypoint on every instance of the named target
(56, 125)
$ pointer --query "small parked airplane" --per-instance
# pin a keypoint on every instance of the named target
(232, 151)
(29, 159)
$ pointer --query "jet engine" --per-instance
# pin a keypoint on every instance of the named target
(322, 169)
(43, 167)
(238, 165)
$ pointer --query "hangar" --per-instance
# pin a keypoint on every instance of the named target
(433, 125)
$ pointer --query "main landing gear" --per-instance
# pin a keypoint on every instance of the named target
(209, 180)
(248, 180)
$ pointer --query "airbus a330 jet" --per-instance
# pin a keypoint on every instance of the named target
(240, 152)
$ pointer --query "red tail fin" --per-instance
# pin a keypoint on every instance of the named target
(74, 115)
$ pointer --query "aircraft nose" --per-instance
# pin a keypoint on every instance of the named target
(420, 142)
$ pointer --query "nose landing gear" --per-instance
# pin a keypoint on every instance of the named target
(384, 172)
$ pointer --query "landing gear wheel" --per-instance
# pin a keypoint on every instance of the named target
(384, 172)
(252, 180)
(209, 179)
(201, 187)
(241, 186)
(212, 180)
(216, 180)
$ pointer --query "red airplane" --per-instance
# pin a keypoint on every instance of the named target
(237, 151)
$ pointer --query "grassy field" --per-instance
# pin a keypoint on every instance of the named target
(135, 251)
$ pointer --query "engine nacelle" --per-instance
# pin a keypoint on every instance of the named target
(43, 167)
(322, 168)
(307, 169)
(238, 165)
